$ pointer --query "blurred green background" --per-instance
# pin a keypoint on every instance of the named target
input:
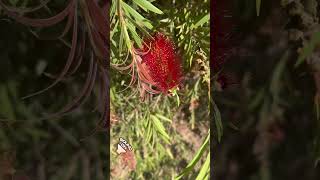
(271, 126)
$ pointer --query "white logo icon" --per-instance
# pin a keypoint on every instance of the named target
(123, 146)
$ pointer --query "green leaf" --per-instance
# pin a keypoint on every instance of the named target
(276, 82)
(147, 5)
(121, 39)
(134, 34)
(257, 99)
(196, 158)
(126, 37)
(136, 15)
(205, 170)
(149, 132)
(175, 93)
(6, 105)
(160, 128)
(258, 6)
(113, 10)
(140, 28)
(164, 118)
(308, 48)
(203, 20)
(114, 30)
(218, 122)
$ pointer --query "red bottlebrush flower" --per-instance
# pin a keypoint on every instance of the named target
(162, 62)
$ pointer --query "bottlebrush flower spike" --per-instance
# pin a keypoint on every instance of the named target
(156, 66)
(162, 62)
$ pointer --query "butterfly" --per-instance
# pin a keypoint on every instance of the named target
(126, 154)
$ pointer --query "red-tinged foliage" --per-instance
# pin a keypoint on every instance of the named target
(88, 23)
(162, 62)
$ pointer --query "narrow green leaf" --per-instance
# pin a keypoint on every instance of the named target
(256, 101)
(205, 169)
(114, 30)
(134, 34)
(113, 9)
(121, 39)
(169, 153)
(6, 104)
(175, 93)
(140, 28)
(276, 82)
(218, 122)
(147, 5)
(203, 20)
(164, 118)
(149, 132)
(160, 128)
(196, 158)
(137, 16)
(258, 6)
(126, 37)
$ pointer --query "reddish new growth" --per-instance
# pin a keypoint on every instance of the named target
(162, 61)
